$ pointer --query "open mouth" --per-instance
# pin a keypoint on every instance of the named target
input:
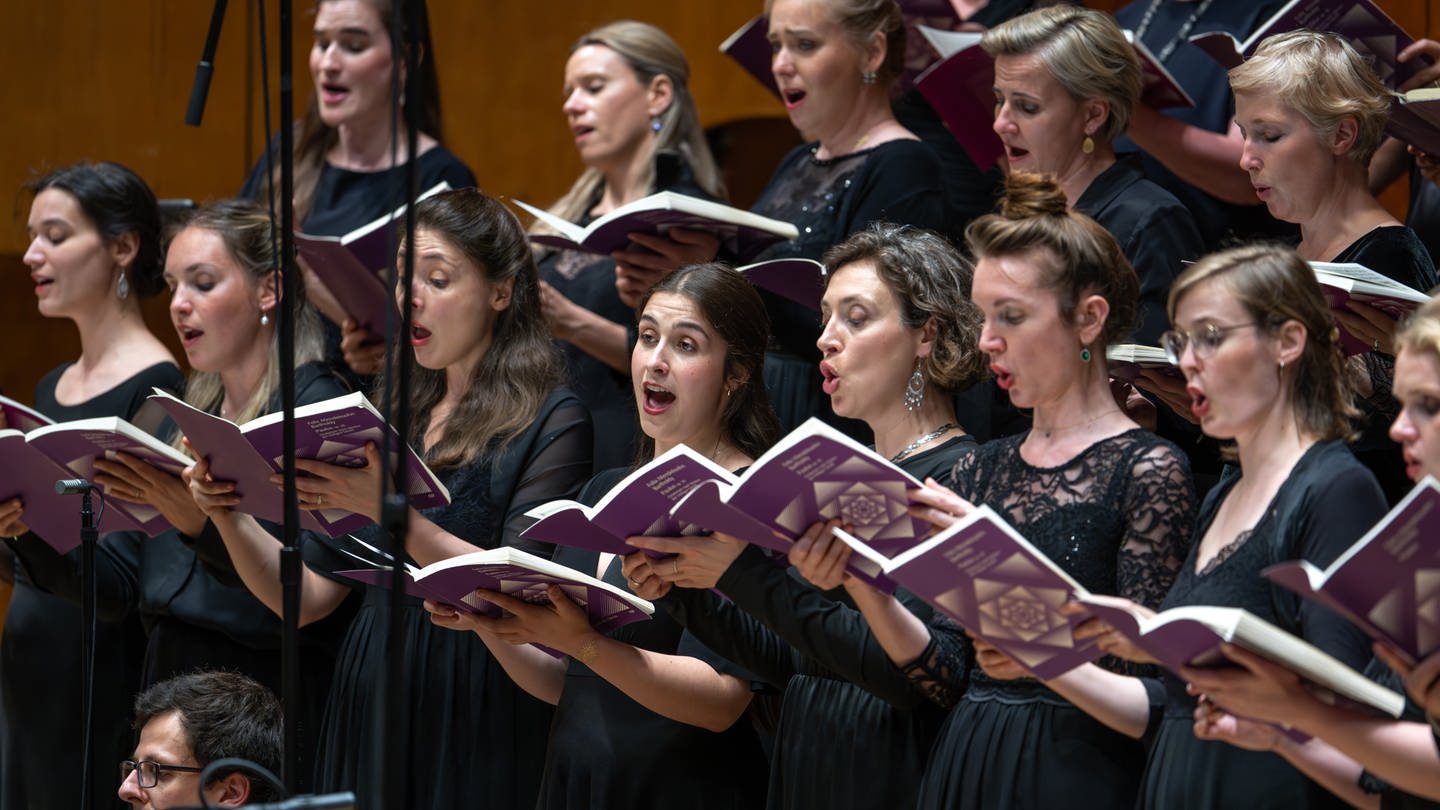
(418, 334)
(1199, 403)
(188, 334)
(1015, 152)
(581, 132)
(1003, 378)
(333, 92)
(41, 282)
(793, 97)
(657, 399)
(831, 379)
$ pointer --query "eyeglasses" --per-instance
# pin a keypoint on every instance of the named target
(1207, 339)
(148, 773)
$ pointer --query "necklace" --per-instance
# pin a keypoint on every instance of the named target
(1092, 420)
(1180, 35)
(928, 437)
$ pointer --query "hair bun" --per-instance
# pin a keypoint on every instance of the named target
(1031, 194)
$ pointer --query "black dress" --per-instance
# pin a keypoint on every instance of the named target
(827, 200)
(477, 739)
(588, 279)
(608, 751)
(1396, 252)
(41, 668)
(345, 200)
(1155, 232)
(197, 612)
(1116, 517)
(1328, 501)
(854, 731)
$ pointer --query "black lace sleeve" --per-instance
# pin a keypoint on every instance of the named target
(1160, 504)
(556, 467)
(943, 668)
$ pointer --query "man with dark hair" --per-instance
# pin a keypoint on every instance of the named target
(188, 722)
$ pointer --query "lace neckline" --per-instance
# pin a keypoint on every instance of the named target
(1085, 451)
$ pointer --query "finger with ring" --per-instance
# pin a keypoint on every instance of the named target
(676, 560)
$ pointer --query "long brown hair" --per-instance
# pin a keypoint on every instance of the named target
(314, 138)
(522, 365)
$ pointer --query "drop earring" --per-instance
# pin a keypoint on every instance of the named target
(1088, 145)
(655, 124)
(915, 388)
(868, 77)
(1084, 354)
(122, 286)
(264, 318)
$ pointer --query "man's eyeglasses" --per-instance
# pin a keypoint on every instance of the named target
(1206, 340)
(147, 773)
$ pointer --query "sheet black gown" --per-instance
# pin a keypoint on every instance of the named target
(1328, 501)
(41, 669)
(478, 740)
(1116, 517)
(608, 752)
(854, 731)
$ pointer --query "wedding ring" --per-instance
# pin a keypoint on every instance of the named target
(635, 582)
(319, 500)
(676, 560)
(1376, 345)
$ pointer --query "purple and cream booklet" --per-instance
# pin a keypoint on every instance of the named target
(334, 431)
(639, 505)
(1388, 582)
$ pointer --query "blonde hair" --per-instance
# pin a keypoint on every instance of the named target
(649, 52)
(1420, 333)
(245, 230)
(1084, 50)
(1323, 78)
(1276, 286)
(1077, 256)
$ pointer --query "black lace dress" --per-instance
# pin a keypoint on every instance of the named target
(1117, 517)
(41, 674)
(1328, 501)
(827, 200)
(854, 731)
(476, 738)
(608, 751)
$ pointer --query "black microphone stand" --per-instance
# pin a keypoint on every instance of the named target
(89, 537)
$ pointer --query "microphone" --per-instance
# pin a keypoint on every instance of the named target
(74, 486)
(201, 88)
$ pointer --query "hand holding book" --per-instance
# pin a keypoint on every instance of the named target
(820, 557)
(691, 562)
(1422, 681)
(324, 486)
(1256, 688)
(1103, 635)
(133, 480)
(559, 624)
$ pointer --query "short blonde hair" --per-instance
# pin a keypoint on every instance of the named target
(1086, 52)
(1324, 79)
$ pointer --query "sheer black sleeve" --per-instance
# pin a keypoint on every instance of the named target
(829, 632)
(942, 670)
(1160, 504)
(557, 465)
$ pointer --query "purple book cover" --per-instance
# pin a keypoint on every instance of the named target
(22, 418)
(349, 275)
(1388, 582)
(640, 504)
(800, 280)
(334, 431)
(814, 474)
(76, 445)
(31, 476)
(961, 90)
(984, 575)
(1368, 28)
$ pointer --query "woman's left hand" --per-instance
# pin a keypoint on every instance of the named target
(331, 486)
(559, 624)
(1369, 325)
(938, 504)
(1214, 723)
(1258, 688)
(640, 572)
(636, 271)
(820, 557)
(1422, 681)
(130, 479)
(696, 562)
(994, 663)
